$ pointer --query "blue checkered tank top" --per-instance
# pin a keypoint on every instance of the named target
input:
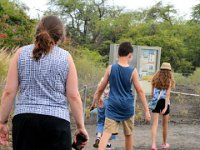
(42, 83)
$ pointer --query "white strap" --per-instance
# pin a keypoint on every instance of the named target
(159, 94)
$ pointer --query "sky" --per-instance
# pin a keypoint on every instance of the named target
(183, 7)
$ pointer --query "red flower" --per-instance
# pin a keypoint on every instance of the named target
(3, 35)
(19, 39)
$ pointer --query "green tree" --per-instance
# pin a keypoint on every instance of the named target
(192, 37)
(160, 13)
(84, 18)
(191, 40)
(158, 26)
(95, 26)
(16, 27)
(196, 14)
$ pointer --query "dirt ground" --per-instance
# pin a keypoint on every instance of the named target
(180, 137)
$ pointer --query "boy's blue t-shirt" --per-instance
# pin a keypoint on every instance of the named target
(120, 101)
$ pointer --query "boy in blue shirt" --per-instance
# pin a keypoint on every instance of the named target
(120, 106)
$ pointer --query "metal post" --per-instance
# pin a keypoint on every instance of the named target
(84, 101)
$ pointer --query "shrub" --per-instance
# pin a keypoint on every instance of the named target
(89, 65)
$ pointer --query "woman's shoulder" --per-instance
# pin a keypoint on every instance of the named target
(27, 47)
(61, 50)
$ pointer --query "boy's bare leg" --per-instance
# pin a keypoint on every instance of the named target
(154, 127)
(104, 140)
(165, 128)
(129, 142)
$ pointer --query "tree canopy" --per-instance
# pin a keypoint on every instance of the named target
(16, 28)
(94, 24)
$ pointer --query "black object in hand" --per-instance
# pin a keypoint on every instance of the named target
(92, 108)
(80, 138)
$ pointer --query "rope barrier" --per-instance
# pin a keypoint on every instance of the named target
(188, 94)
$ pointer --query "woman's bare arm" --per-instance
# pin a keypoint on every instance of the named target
(74, 99)
(10, 89)
(73, 95)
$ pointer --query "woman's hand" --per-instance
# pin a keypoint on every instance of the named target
(4, 134)
(84, 132)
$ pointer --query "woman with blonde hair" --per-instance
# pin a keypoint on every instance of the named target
(162, 83)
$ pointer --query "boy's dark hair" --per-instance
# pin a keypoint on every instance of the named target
(125, 48)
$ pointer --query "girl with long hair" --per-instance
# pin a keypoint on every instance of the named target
(162, 83)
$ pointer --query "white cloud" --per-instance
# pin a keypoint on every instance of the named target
(183, 6)
(37, 7)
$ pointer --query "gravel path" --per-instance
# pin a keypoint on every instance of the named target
(181, 137)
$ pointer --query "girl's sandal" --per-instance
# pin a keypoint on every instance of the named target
(153, 147)
(165, 146)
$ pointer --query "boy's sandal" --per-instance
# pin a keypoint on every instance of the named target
(165, 146)
(96, 144)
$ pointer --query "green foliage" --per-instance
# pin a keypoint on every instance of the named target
(95, 25)
(16, 29)
(178, 39)
(185, 68)
(196, 14)
(92, 22)
(191, 40)
(158, 35)
(160, 13)
(190, 80)
(89, 65)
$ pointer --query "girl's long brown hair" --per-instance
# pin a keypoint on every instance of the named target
(48, 32)
(163, 79)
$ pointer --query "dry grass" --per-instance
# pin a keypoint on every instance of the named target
(4, 61)
(192, 79)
